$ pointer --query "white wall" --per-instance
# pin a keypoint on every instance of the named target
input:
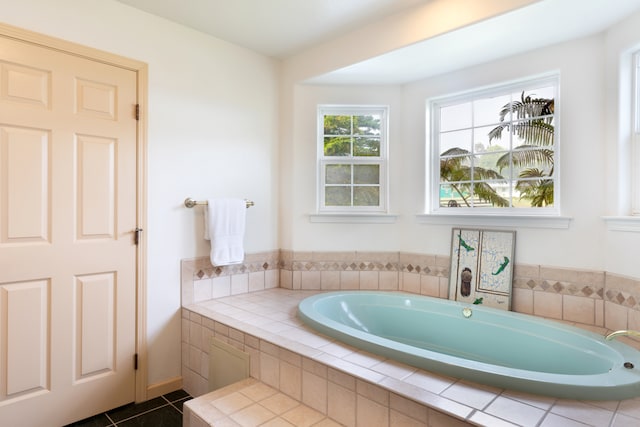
(212, 132)
(584, 180)
(303, 236)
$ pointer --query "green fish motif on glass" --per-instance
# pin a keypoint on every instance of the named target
(502, 266)
(465, 244)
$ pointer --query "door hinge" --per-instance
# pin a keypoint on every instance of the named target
(136, 235)
(135, 362)
(137, 111)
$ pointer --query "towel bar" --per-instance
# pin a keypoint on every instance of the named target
(189, 202)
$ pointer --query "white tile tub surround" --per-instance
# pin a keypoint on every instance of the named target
(201, 281)
(354, 387)
(250, 403)
(599, 301)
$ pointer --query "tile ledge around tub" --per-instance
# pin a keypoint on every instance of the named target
(622, 223)
(412, 392)
(440, 402)
(247, 328)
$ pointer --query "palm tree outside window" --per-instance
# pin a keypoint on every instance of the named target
(495, 150)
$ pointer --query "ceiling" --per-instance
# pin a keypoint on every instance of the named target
(278, 28)
(283, 28)
(540, 24)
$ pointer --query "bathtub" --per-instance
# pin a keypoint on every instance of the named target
(488, 346)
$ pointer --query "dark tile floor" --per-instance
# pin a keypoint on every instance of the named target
(164, 411)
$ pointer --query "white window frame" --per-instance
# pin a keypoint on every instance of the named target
(382, 161)
(628, 182)
(433, 154)
(635, 139)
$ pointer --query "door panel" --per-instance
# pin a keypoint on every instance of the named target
(68, 183)
(96, 187)
(95, 316)
(24, 158)
(25, 336)
(22, 83)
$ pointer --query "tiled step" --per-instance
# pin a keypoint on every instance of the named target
(251, 403)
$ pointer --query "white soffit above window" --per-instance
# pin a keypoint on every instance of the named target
(534, 26)
(278, 28)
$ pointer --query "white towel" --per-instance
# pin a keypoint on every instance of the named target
(224, 224)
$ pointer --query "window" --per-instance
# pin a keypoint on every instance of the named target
(495, 151)
(635, 149)
(352, 152)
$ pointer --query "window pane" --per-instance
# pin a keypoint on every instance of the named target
(337, 196)
(338, 174)
(369, 147)
(533, 133)
(366, 125)
(452, 195)
(366, 174)
(337, 146)
(534, 192)
(544, 92)
(487, 110)
(533, 103)
(337, 125)
(453, 169)
(504, 189)
(455, 117)
(492, 165)
(458, 139)
(487, 137)
(538, 159)
(366, 196)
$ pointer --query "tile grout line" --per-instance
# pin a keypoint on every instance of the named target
(109, 418)
(141, 413)
(184, 399)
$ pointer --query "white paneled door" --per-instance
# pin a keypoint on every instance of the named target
(67, 221)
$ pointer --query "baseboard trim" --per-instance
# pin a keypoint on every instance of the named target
(164, 387)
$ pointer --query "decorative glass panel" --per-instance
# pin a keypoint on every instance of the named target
(337, 196)
(366, 174)
(366, 196)
(338, 174)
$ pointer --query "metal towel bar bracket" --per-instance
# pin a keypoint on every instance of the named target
(189, 202)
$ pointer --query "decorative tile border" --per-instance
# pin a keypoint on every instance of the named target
(565, 294)
(621, 290)
(201, 268)
(582, 283)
